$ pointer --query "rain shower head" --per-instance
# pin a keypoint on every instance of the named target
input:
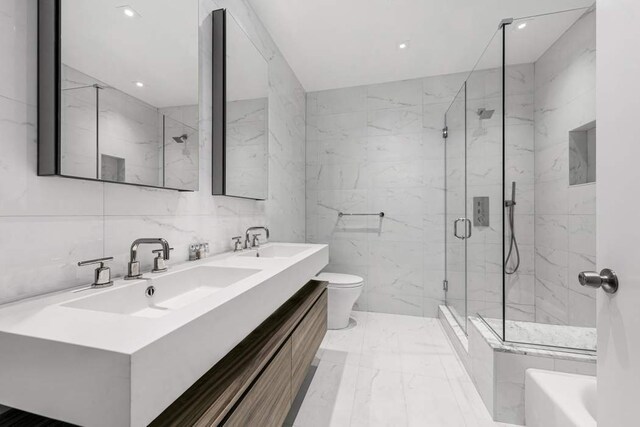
(181, 139)
(484, 114)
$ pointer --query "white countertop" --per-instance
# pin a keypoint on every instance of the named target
(47, 318)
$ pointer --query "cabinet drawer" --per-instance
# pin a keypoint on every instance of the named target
(306, 339)
(268, 400)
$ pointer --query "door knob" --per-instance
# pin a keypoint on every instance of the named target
(607, 279)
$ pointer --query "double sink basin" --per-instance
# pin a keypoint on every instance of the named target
(119, 356)
(160, 296)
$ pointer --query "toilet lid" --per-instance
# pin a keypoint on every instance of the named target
(340, 280)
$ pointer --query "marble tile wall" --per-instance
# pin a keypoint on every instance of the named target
(247, 162)
(181, 161)
(380, 148)
(484, 178)
(48, 224)
(565, 220)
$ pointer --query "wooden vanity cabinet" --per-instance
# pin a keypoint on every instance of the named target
(255, 384)
(306, 339)
(268, 400)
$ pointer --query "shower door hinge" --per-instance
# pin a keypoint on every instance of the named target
(505, 21)
(445, 132)
(445, 285)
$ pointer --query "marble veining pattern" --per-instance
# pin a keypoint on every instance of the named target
(59, 222)
(247, 145)
(577, 355)
(376, 149)
(544, 334)
(565, 216)
(388, 370)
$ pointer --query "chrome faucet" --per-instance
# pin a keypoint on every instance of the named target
(134, 264)
(247, 242)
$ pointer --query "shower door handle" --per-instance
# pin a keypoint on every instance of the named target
(467, 228)
(455, 228)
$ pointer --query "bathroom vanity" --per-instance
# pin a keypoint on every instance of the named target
(254, 385)
(216, 341)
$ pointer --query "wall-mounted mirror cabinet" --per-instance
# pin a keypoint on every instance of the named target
(118, 91)
(241, 98)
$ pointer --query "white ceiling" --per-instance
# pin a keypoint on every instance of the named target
(341, 43)
(158, 48)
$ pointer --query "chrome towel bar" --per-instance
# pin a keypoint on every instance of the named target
(380, 214)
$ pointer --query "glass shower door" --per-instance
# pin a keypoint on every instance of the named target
(456, 225)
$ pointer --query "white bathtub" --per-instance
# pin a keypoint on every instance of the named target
(558, 399)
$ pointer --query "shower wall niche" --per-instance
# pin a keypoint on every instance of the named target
(582, 154)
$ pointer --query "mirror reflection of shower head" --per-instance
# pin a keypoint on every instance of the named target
(181, 139)
(484, 113)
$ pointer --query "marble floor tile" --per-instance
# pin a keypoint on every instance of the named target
(388, 370)
(379, 399)
(326, 397)
(431, 402)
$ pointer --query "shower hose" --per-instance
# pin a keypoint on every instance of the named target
(513, 244)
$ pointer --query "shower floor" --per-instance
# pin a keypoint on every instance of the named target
(574, 337)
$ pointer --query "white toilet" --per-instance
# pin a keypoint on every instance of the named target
(344, 290)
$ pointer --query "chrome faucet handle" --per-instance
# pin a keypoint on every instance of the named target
(193, 252)
(255, 242)
(237, 243)
(102, 276)
(159, 264)
(159, 251)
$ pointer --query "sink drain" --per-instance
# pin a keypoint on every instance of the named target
(150, 291)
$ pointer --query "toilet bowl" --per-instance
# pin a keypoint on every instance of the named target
(344, 290)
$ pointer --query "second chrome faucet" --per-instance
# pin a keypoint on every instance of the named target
(133, 270)
(248, 243)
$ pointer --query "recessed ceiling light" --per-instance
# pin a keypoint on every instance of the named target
(403, 45)
(521, 26)
(129, 11)
(139, 84)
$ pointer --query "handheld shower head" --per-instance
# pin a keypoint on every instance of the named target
(510, 205)
(512, 202)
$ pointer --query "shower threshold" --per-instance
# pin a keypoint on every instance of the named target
(546, 335)
(498, 367)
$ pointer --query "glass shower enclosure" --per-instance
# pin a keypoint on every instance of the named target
(519, 183)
